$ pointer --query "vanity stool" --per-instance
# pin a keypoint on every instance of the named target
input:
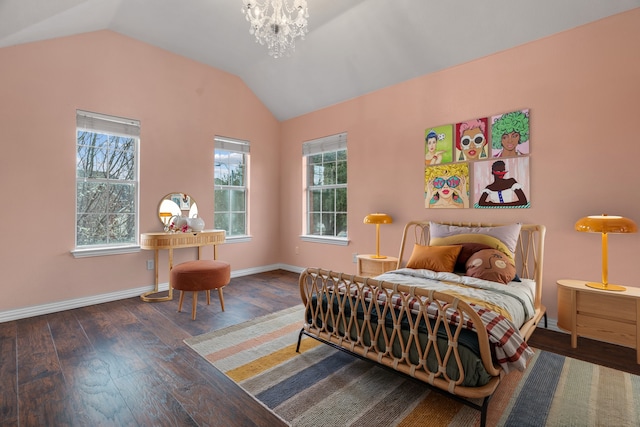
(200, 275)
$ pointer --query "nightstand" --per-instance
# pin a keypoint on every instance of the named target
(368, 266)
(608, 316)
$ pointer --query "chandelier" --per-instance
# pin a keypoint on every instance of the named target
(276, 24)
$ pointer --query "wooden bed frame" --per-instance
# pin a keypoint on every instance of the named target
(374, 341)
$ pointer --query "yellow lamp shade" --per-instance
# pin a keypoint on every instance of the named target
(377, 219)
(605, 224)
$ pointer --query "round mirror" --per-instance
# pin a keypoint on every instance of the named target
(180, 204)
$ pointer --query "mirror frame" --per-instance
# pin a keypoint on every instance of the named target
(176, 203)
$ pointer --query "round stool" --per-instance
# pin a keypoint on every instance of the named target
(200, 275)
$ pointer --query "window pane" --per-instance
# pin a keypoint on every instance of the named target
(121, 228)
(92, 197)
(221, 170)
(221, 220)
(316, 158)
(316, 227)
(237, 200)
(238, 221)
(91, 162)
(329, 224)
(342, 172)
(221, 201)
(329, 157)
(341, 224)
(121, 198)
(316, 175)
(121, 159)
(236, 169)
(315, 202)
(341, 200)
(329, 173)
(328, 200)
(91, 229)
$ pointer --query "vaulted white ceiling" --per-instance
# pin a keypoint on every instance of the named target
(353, 46)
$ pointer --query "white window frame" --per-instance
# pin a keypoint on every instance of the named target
(328, 144)
(242, 147)
(111, 126)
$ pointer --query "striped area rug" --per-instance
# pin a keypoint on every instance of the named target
(324, 386)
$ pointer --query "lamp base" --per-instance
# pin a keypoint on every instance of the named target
(378, 256)
(606, 286)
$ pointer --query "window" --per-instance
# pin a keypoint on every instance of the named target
(106, 181)
(230, 185)
(326, 186)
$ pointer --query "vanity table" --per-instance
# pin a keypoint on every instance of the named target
(170, 241)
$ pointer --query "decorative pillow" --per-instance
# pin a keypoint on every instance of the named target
(468, 249)
(503, 238)
(491, 264)
(435, 258)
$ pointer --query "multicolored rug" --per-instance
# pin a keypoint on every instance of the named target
(324, 386)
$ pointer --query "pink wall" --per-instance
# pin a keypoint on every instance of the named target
(582, 87)
(181, 104)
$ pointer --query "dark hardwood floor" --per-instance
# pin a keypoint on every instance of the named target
(124, 363)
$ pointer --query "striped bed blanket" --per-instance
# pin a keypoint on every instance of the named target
(496, 305)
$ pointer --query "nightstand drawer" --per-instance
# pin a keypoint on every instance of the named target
(616, 332)
(614, 307)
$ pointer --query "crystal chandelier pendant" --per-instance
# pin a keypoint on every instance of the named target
(276, 24)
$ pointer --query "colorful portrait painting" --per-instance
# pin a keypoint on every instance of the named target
(501, 183)
(471, 140)
(438, 145)
(447, 186)
(510, 134)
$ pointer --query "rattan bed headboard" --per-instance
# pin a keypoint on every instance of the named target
(529, 252)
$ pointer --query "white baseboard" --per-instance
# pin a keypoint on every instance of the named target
(38, 310)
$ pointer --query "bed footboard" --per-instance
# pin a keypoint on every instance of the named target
(424, 334)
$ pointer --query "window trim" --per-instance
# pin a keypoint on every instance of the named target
(331, 143)
(116, 126)
(243, 147)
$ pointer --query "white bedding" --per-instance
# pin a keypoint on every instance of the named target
(515, 299)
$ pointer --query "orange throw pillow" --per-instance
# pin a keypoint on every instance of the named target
(435, 258)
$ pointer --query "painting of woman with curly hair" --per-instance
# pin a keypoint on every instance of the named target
(447, 186)
(510, 134)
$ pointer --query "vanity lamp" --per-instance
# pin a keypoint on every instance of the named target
(377, 219)
(605, 224)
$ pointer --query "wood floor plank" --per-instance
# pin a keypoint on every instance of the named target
(151, 401)
(8, 374)
(43, 402)
(36, 353)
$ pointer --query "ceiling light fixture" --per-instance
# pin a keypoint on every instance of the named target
(276, 24)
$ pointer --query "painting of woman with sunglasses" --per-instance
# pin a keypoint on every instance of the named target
(447, 186)
(471, 140)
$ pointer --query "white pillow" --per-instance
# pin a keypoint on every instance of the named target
(441, 234)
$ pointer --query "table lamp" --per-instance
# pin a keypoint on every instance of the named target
(605, 224)
(377, 219)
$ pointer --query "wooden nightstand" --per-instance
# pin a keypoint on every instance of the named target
(369, 266)
(608, 316)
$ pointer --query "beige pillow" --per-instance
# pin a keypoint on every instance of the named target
(435, 258)
(491, 264)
